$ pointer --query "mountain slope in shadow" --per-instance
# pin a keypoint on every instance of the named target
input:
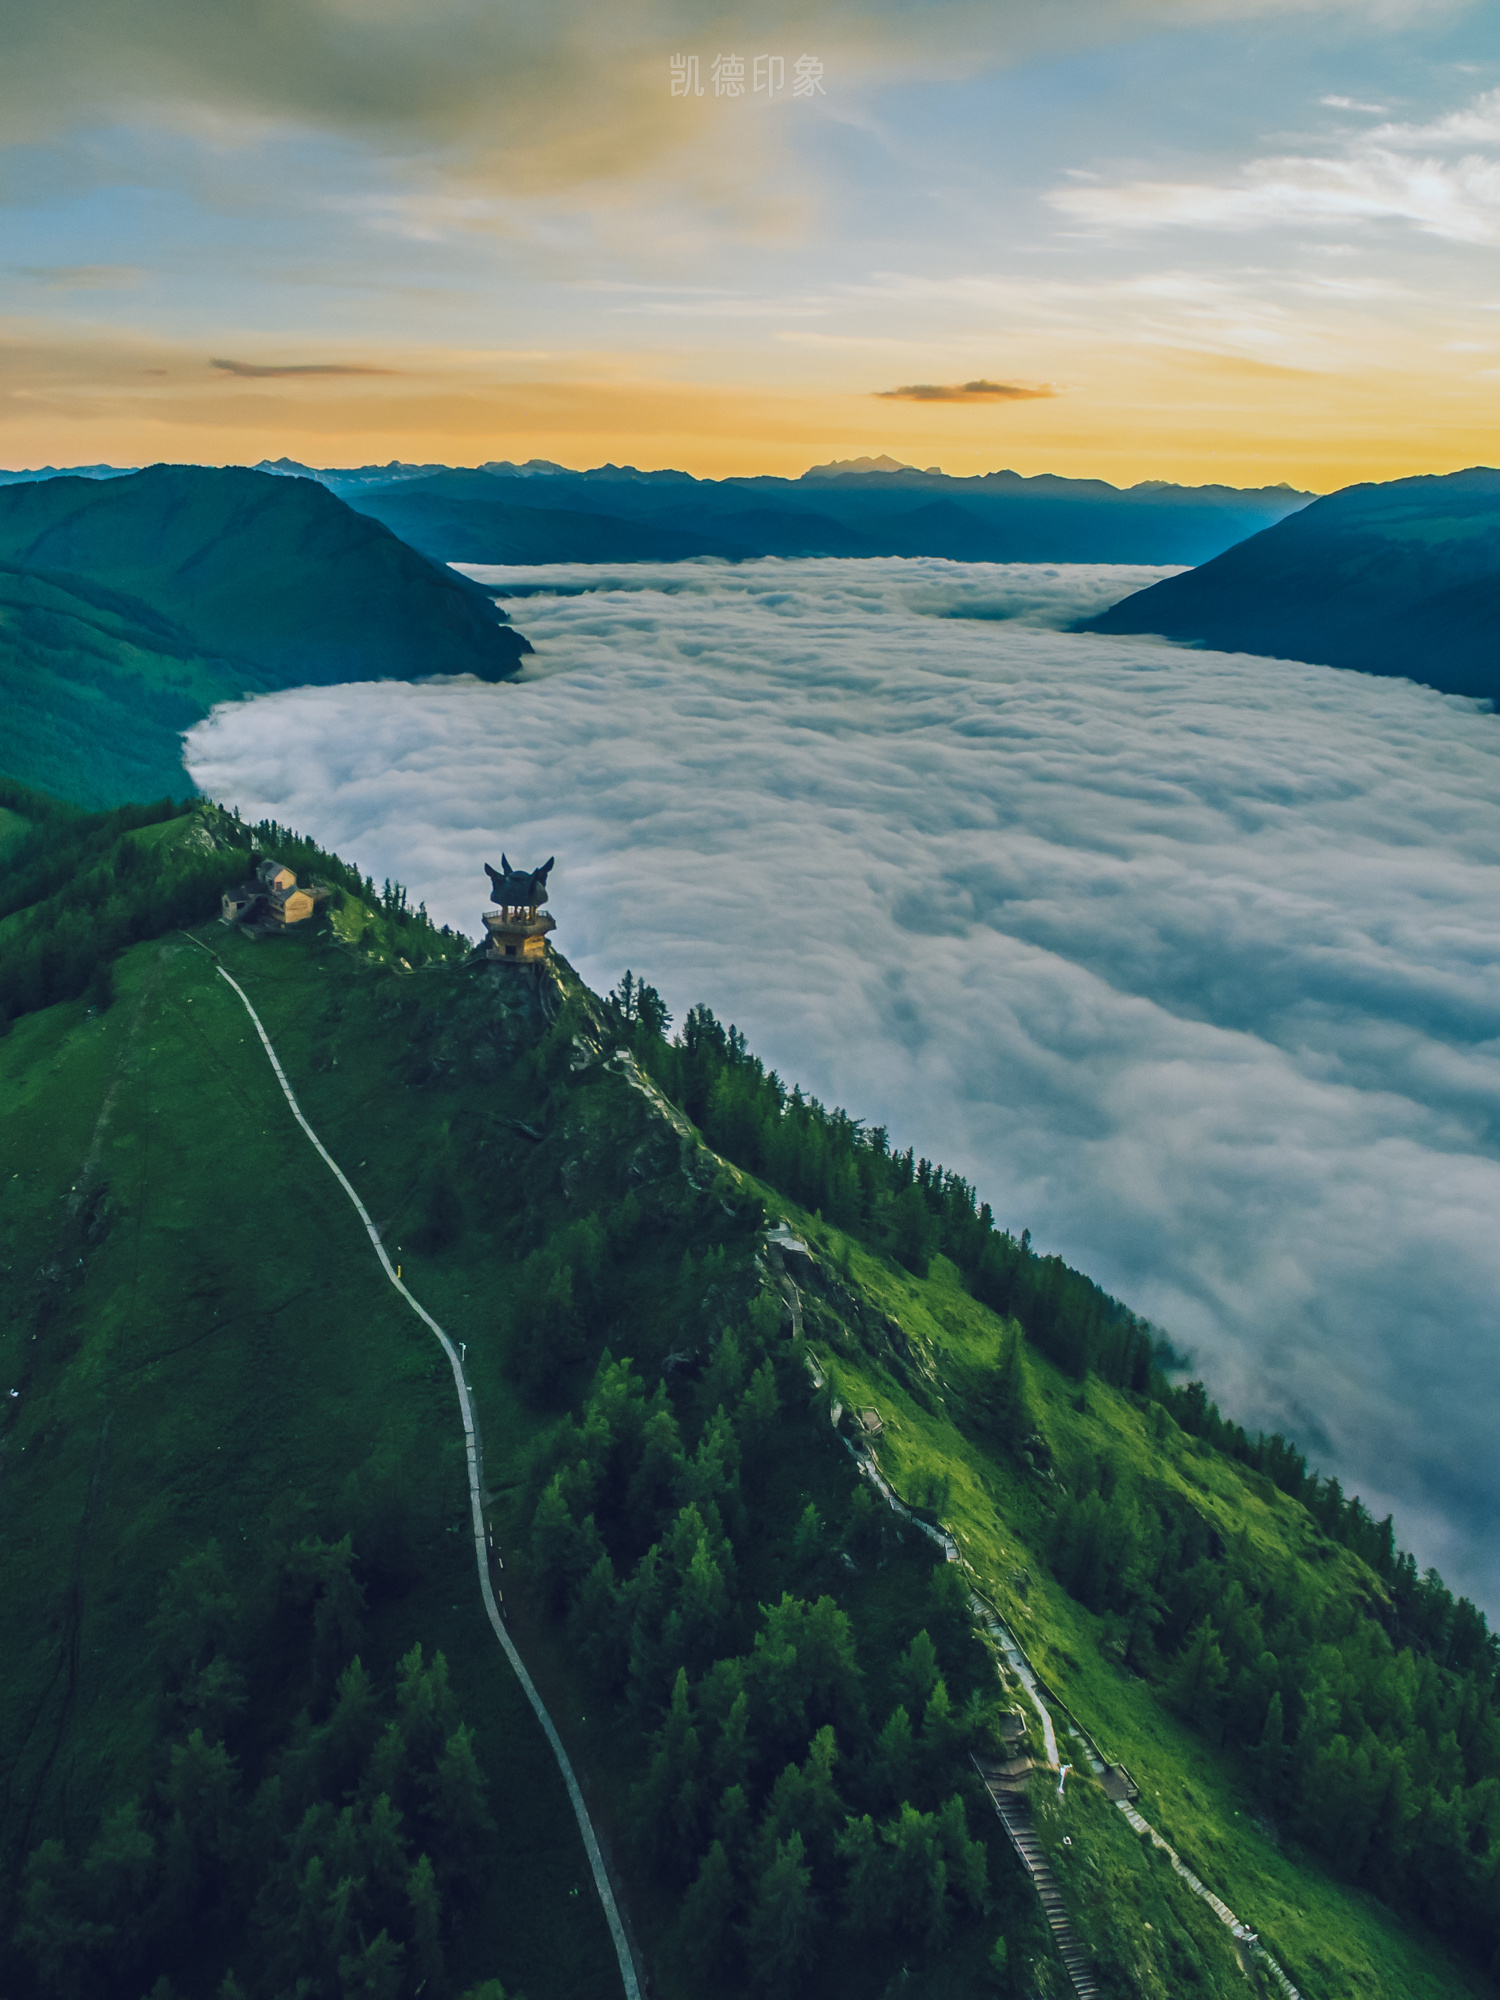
(616, 514)
(1401, 578)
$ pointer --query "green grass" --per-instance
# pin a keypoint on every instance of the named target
(1335, 1943)
(205, 1347)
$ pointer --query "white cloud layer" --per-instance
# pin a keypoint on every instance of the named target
(1442, 178)
(1186, 959)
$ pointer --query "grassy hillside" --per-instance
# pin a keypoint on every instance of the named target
(98, 689)
(1199, 1792)
(234, 1463)
(1400, 578)
(128, 607)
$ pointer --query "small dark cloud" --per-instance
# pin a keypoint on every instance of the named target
(256, 372)
(965, 392)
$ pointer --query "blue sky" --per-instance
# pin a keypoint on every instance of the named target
(518, 243)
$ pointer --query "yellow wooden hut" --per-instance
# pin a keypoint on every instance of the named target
(272, 897)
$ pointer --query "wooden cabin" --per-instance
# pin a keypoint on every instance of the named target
(271, 897)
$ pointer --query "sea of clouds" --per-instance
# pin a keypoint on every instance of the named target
(1186, 959)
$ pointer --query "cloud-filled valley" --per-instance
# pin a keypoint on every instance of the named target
(1186, 959)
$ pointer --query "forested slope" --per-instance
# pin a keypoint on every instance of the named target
(233, 1470)
(128, 607)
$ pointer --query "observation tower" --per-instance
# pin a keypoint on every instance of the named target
(518, 928)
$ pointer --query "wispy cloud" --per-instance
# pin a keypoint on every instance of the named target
(1185, 959)
(966, 392)
(1353, 104)
(1412, 173)
(260, 372)
(83, 277)
(530, 96)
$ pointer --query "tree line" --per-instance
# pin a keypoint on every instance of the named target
(1372, 1726)
(1420, 1609)
(850, 1174)
(804, 1785)
(830, 1162)
(1380, 1752)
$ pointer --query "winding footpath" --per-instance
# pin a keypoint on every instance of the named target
(628, 1977)
(1011, 1810)
(1015, 1815)
(1242, 1933)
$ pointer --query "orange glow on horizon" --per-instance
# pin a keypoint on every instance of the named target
(1183, 417)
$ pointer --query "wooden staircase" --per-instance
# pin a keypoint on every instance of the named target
(1015, 1817)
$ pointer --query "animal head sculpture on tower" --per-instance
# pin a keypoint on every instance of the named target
(515, 888)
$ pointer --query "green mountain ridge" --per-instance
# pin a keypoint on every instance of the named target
(128, 607)
(235, 1516)
(1401, 578)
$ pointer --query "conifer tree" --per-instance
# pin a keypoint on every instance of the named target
(1196, 1683)
(425, 1709)
(732, 1824)
(373, 1971)
(917, 1875)
(916, 1671)
(967, 1866)
(1270, 1756)
(780, 1935)
(199, 1795)
(942, 1730)
(758, 1410)
(707, 1911)
(895, 1758)
(426, 1916)
(348, 1736)
(860, 1849)
(670, 1797)
(322, 1574)
(382, 1849)
(809, 1544)
(596, 1625)
(732, 1749)
(458, 1810)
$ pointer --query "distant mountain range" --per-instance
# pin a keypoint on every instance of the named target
(1401, 578)
(128, 607)
(542, 512)
(150, 595)
(535, 514)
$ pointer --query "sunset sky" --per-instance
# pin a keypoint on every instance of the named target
(1165, 239)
